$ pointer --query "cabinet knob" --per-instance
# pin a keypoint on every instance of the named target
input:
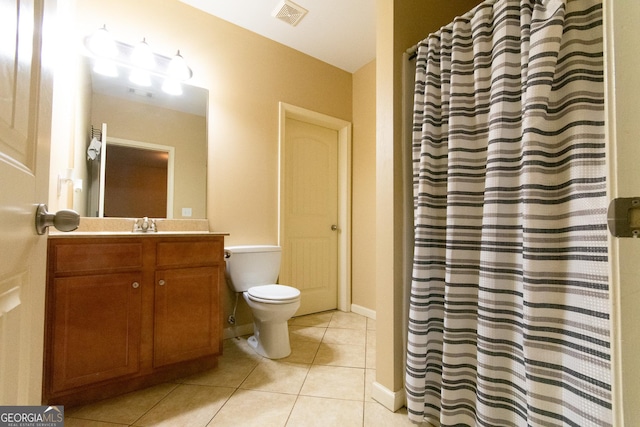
(135, 285)
(161, 282)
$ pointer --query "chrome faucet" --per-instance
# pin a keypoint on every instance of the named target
(143, 225)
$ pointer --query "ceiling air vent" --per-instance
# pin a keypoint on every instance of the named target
(289, 12)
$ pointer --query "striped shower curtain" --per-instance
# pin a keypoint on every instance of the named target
(509, 309)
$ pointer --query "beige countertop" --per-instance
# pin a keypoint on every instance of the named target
(123, 227)
(78, 234)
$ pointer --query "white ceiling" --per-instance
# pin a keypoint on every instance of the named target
(338, 32)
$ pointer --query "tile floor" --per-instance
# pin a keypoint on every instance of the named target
(326, 381)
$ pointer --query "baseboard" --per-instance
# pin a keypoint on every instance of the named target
(363, 311)
(240, 330)
(392, 400)
(237, 331)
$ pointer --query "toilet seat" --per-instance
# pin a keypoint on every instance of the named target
(274, 294)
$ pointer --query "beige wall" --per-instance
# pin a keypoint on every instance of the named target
(363, 212)
(247, 76)
(400, 25)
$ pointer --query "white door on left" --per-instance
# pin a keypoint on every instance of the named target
(25, 127)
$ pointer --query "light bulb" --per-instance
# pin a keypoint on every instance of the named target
(172, 87)
(142, 56)
(178, 68)
(140, 77)
(101, 43)
(106, 67)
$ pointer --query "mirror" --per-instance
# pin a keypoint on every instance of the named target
(124, 114)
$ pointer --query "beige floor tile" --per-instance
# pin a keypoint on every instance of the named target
(324, 382)
(306, 333)
(321, 412)
(248, 408)
(238, 347)
(334, 382)
(125, 409)
(188, 406)
(371, 337)
(276, 376)
(371, 324)
(302, 351)
(348, 321)
(369, 378)
(76, 422)
(376, 415)
(229, 373)
(352, 356)
(370, 359)
(370, 350)
(318, 319)
(345, 336)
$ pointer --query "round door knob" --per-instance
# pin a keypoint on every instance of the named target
(135, 285)
(334, 227)
(63, 220)
(161, 282)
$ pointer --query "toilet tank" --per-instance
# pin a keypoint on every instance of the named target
(249, 266)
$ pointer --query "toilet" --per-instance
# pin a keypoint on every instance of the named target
(253, 270)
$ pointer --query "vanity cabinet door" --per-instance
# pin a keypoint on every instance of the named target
(187, 314)
(95, 329)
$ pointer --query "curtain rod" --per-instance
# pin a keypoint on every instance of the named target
(412, 52)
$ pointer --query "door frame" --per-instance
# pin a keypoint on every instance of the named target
(621, 36)
(288, 111)
(142, 145)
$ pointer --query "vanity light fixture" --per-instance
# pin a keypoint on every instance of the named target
(178, 71)
(103, 45)
(106, 67)
(172, 86)
(140, 60)
(178, 68)
(142, 56)
(140, 77)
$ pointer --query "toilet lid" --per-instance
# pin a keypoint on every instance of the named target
(275, 293)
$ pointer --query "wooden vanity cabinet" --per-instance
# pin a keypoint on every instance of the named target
(123, 313)
(96, 329)
(187, 303)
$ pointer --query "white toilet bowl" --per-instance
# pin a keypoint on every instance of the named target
(272, 306)
(253, 271)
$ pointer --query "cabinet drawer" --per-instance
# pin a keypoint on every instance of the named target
(84, 257)
(189, 253)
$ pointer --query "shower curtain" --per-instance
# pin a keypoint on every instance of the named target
(509, 309)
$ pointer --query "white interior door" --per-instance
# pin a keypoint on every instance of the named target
(310, 214)
(25, 126)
